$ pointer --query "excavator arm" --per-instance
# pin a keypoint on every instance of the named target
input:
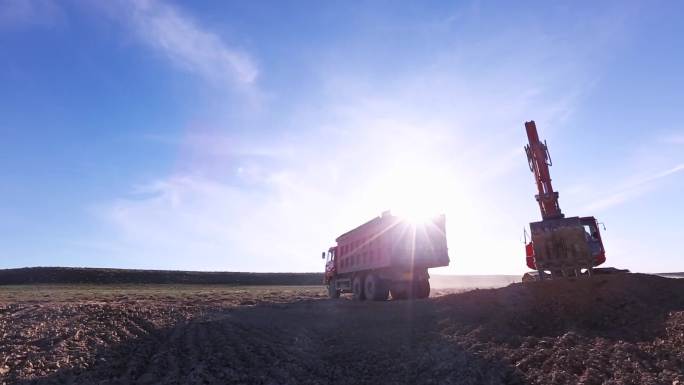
(539, 161)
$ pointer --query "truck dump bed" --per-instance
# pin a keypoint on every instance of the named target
(390, 241)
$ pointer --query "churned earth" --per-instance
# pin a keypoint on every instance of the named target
(623, 329)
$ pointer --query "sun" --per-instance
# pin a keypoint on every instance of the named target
(415, 207)
(415, 193)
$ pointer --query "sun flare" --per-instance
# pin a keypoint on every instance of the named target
(416, 193)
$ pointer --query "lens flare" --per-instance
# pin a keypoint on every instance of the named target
(416, 194)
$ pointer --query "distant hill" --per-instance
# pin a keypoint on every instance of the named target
(69, 275)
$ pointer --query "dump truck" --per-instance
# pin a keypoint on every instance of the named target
(559, 246)
(386, 255)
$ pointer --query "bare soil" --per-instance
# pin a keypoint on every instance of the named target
(626, 329)
(101, 276)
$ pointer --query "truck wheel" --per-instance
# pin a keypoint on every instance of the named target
(375, 288)
(399, 292)
(333, 292)
(357, 288)
(421, 289)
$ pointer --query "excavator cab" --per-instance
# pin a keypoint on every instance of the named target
(565, 247)
(593, 237)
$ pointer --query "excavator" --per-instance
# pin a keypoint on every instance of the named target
(559, 246)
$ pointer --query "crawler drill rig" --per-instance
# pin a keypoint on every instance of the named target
(559, 246)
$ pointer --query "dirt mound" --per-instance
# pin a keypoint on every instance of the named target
(606, 330)
(623, 306)
(69, 275)
(621, 329)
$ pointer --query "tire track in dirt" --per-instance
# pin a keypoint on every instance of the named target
(308, 344)
(215, 350)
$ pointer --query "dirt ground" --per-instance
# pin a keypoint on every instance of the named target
(103, 276)
(625, 329)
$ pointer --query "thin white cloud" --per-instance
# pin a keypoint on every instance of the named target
(213, 144)
(187, 221)
(675, 169)
(296, 205)
(188, 45)
(632, 190)
(351, 153)
(674, 139)
(163, 27)
(29, 12)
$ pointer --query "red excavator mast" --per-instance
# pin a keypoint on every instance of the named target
(539, 160)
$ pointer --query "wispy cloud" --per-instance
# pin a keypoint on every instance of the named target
(674, 139)
(304, 191)
(632, 190)
(347, 156)
(220, 144)
(188, 45)
(183, 219)
(29, 12)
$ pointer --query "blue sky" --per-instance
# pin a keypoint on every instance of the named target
(248, 135)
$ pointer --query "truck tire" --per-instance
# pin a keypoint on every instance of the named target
(421, 289)
(333, 292)
(375, 288)
(399, 292)
(357, 288)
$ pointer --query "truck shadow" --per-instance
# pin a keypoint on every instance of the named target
(308, 342)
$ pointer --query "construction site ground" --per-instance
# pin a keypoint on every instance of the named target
(622, 329)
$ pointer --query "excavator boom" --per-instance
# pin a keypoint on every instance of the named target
(539, 161)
